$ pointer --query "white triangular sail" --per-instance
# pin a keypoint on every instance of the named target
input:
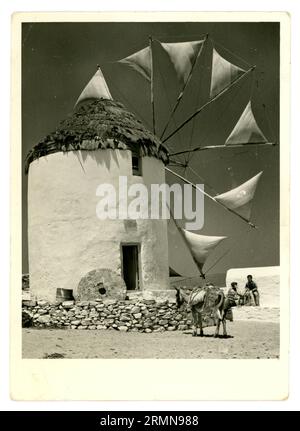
(201, 246)
(246, 130)
(140, 61)
(183, 56)
(95, 89)
(178, 247)
(223, 73)
(240, 198)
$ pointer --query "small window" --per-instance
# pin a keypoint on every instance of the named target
(136, 165)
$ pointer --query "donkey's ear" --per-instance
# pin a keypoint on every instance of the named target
(176, 288)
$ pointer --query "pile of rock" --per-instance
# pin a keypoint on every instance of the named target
(128, 315)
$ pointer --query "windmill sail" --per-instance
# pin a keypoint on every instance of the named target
(201, 246)
(178, 248)
(246, 130)
(95, 89)
(240, 198)
(183, 56)
(140, 61)
(223, 73)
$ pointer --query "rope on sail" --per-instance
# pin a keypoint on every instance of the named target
(222, 157)
(269, 123)
(217, 261)
(182, 279)
(270, 129)
(129, 104)
(217, 96)
(232, 53)
(140, 61)
(202, 179)
(180, 36)
(211, 197)
(213, 147)
(176, 164)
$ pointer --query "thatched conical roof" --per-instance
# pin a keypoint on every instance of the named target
(99, 124)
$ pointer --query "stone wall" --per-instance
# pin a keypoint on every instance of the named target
(131, 315)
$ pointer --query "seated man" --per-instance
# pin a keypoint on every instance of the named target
(251, 290)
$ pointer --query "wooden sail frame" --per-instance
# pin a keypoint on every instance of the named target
(246, 73)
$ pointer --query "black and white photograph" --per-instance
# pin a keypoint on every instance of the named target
(151, 190)
(192, 108)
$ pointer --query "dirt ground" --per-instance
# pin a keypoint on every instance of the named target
(250, 337)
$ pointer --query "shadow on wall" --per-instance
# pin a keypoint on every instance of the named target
(101, 157)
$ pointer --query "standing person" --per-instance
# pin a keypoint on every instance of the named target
(232, 296)
(231, 300)
(251, 288)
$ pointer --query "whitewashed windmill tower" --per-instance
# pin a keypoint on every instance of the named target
(98, 143)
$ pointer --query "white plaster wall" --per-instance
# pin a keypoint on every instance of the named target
(267, 279)
(65, 237)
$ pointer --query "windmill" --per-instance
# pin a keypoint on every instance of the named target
(67, 163)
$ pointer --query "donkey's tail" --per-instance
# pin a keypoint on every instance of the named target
(220, 300)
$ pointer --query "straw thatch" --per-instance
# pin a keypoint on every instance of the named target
(99, 124)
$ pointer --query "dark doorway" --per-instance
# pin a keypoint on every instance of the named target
(130, 255)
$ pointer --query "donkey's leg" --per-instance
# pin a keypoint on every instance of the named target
(224, 326)
(256, 298)
(219, 318)
(200, 322)
(194, 314)
(217, 328)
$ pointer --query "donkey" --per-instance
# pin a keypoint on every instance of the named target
(196, 302)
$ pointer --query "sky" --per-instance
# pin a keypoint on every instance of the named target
(58, 59)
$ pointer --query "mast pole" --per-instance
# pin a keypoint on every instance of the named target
(211, 197)
(152, 84)
(183, 89)
(208, 103)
